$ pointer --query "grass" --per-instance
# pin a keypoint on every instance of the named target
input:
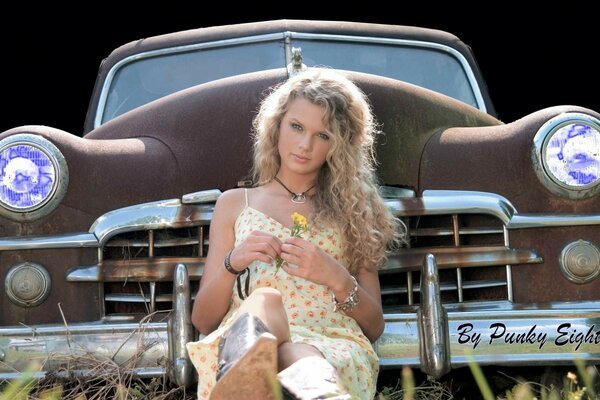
(114, 384)
(578, 383)
(106, 379)
(429, 390)
(85, 377)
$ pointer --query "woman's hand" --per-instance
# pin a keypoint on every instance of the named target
(319, 267)
(257, 246)
(311, 262)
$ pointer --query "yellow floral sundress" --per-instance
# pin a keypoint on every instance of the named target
(309, 311)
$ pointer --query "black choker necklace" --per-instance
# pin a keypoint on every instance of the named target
(297, 198)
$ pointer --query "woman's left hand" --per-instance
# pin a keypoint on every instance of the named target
(310, 261)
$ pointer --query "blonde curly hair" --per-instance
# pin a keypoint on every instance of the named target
(347, 195)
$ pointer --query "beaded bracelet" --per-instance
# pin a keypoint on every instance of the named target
(351, 301)
(228, 267)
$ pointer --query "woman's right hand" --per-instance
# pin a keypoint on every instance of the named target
(259, 246)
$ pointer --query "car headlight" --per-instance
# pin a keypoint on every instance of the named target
(566, 154)
(33, 177)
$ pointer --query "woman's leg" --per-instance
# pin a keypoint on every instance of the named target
(267, 305)
(289, 353)
(305, 374)
(248, 350)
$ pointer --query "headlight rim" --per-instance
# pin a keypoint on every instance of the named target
(59, 188)
(538, 153)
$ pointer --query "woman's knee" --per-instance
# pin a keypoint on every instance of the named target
(267, 304)
(267, 296)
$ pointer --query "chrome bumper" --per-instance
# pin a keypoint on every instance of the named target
(499, 333)
(148, 349)
(435, 338)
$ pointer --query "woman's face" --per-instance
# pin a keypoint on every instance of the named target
(303, 139)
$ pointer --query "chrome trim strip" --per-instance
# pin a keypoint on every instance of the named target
(449, 232)
(59, 345)
(172, 214)
(48, 242)
(69, 373)
(180, 329)
(189, 241)
(155, 215)
(434, 346)
(90, 328)
(444, 287)
(524, 221)
(442, 202)
(136, 270)
(393, 192)
(202, 196)
(137, 298)
(465, 257)
(509, 283)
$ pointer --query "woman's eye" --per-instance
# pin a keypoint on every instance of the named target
(296, 127)
(324, 136)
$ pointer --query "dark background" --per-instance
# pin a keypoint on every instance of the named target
(531, 59)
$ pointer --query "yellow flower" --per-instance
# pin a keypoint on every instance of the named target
(299, 225)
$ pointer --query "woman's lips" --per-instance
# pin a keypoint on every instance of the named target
(299, 158)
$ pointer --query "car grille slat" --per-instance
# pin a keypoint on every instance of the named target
(446, 286)
(450, 232)
(157, 244)
(138, 298)
(460, 256)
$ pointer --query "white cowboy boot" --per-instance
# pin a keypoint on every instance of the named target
(312, 378)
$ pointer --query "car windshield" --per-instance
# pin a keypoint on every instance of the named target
(425, 67)
(147, 77)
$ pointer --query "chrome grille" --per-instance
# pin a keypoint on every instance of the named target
(147, 258)
(473, 253)
(145, 261)
(467, 240)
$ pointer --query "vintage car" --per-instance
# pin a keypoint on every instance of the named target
(103, 237)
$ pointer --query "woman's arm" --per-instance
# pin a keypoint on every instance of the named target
(214, 295)
(319, 267)
(368, 313)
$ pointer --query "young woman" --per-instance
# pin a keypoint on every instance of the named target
(305, 306)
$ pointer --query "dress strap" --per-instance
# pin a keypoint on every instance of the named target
(246, 195)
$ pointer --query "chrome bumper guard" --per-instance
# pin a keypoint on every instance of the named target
(434, 338)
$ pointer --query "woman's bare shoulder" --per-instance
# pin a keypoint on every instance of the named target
(237, 199)
(230, 203)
